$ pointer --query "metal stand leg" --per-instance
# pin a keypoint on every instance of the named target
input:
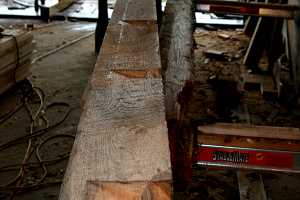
(102, 23)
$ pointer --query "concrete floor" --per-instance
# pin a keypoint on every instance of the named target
(63, 77)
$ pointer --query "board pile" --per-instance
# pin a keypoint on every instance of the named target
(16, 48)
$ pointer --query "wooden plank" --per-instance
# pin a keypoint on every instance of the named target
(122, 135)
(8, 44)
(176, 47)
(176, 42)
(118, 12)
(245, 130)
(12, 57)
(7, 79)
(159, 190)
(246, 142)
(247, 8)
(131, 11)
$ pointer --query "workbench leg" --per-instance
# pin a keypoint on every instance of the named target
(102, 23)
(158, 12)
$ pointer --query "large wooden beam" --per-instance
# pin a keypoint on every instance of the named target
(122, 140)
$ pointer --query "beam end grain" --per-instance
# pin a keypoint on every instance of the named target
(158, 190)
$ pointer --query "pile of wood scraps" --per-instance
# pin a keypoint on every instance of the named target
(16, 48)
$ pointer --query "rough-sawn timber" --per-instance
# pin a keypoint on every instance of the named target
(122, 135)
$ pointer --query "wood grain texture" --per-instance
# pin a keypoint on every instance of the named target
(15, 57)
(251, 131)
(159, 190)
(8, 78)
(129, 47)
(176, 42)
(134, 11)
(12, 57)
(8, 44)
(122, 135)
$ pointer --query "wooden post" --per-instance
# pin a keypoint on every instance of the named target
(176, 40)
(102, 23)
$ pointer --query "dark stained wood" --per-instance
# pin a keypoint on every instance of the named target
(159, 190)
(122, 135)
(134, 11)
(12, 57)
(245, 130)
(16, 48)
(176, 42)
(8, 44)
(140, 10)
(9, 77)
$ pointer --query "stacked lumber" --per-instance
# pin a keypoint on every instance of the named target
(121, 150)
(16, 48)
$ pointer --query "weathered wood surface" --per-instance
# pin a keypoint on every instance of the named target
(16, 48)
(8, 78)
(176, 42)
(12, 57)
(245, 130)
(160, 190)
(8, 43)
(122, 135)
(134, 11)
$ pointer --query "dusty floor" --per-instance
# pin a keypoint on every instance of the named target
(62, 76)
